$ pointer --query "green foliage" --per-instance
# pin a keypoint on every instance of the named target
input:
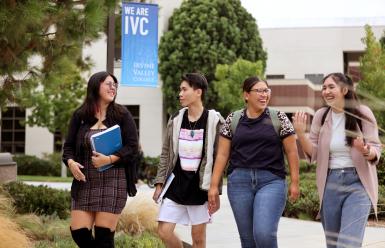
(145, 240)
(41, 62)
(229, 80)
(381, 202)
(307, 205)
(44, 227)
(381, 169)
(31, 165)
(305, 167)
(372, 67)
(57, 243)
(147, 168)
(202, 34)
(40, 200)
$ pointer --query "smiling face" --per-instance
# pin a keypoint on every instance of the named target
(258, 97)
(107, 90)
(188, 95)
(333, 94)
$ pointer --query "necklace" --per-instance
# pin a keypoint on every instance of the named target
(192, 128)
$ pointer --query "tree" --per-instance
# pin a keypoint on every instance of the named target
(202, 34)
(41, 63)
(372, 85)
(229, 80)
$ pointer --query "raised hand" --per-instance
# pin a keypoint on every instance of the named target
(299, 122)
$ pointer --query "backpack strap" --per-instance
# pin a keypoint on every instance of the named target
(274, 119)
(235, 120)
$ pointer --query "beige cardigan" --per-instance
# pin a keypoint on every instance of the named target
(320, 138)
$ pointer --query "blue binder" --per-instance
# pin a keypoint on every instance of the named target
(107, 142)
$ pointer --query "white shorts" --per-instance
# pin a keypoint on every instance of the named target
(173, 212)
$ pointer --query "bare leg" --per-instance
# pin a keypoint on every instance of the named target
(198, 235)
(166, 233)
(80, 219)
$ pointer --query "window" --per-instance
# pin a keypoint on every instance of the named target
(275, 76)
(134, 110)
(315, 78)
(12, 130)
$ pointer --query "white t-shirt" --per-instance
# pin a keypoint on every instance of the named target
(339, 156)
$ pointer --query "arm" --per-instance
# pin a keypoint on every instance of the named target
(369, 145)
(221, 160)
(69, 147)
(164, 156)
(309, 143)
(290, 147)
(163, 163)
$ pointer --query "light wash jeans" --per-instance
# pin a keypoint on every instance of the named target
(257, 198)
(345, 209)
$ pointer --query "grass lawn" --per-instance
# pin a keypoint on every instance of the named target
(44, 178)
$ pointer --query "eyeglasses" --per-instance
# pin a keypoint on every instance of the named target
(112, 84)
(267, 91)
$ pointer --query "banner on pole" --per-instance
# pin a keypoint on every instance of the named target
(139, 44)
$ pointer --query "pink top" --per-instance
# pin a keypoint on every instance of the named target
(320, 138)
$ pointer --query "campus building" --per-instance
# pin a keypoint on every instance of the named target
(298, 59)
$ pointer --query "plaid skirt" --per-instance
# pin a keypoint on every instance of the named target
(103, 191)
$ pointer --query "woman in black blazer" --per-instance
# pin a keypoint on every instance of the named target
(98, 198)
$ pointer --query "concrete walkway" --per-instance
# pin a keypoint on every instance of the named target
(222, 233)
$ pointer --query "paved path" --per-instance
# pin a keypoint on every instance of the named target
(292, 233)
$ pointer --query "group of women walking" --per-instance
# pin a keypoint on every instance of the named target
(251, 144)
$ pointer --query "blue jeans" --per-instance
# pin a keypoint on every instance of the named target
(345, 209)
(257, 198)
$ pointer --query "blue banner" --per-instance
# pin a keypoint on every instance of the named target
(139, 44)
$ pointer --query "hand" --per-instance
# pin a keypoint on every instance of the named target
(158, 190)
(99, 159)
(299, 122)
(360, 145)
(214, 201)
(293, 192)
(75, 170)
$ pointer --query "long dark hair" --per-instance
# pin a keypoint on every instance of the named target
(90, 105)
(353, 115)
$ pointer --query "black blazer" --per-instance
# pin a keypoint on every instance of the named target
(73, 145)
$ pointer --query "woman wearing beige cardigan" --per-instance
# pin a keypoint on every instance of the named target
(344, 143)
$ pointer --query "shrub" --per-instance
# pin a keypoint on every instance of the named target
(31, 165)
(148, 167)
(307, 205)
(381, 202)
(381, 169)
(146, 239)
(56, 161)
(305, 167)
(40, 200)
(6, 204)
(44, 227)
(139, 215)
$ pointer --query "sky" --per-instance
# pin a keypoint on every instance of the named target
(311, 13)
